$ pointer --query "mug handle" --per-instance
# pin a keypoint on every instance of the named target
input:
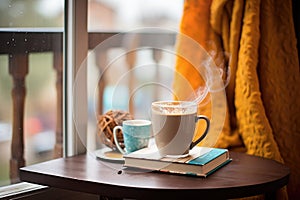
(116, 138)
(205, 132)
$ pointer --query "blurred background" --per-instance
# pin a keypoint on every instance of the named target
(40, 103)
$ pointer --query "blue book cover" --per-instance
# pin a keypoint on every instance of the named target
(201, 161)
(207, 157)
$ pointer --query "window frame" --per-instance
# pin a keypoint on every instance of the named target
(74, 93)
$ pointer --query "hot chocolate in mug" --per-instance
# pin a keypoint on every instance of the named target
(173, 124)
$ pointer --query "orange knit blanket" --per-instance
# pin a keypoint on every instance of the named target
(254, 44)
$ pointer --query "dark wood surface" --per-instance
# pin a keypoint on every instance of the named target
(245, 176)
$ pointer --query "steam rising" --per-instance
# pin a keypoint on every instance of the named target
(206, 66)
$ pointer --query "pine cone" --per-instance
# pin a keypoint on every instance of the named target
(106, 124)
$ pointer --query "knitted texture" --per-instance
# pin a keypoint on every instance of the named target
(254, 40)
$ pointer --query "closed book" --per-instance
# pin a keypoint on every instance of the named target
(201, 161)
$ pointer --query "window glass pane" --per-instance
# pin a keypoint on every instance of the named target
(150, 71)
(123, 15)
(21, 17)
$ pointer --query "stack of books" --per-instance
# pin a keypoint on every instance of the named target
(201, 161)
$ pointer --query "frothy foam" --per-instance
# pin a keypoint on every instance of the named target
(174, 108)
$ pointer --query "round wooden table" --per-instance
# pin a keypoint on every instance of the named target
(245, 176)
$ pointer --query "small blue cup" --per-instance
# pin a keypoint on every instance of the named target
(136, 135)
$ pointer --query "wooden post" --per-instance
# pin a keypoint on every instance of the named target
(133, 42)
(156, 55)
(18, 69)
(58, 66)
(101, 61)
(131, 59)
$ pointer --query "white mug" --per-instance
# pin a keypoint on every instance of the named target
(174, 124)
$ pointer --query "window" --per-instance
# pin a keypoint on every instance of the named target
(105, 18)
(21, 25)
(132, 82)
